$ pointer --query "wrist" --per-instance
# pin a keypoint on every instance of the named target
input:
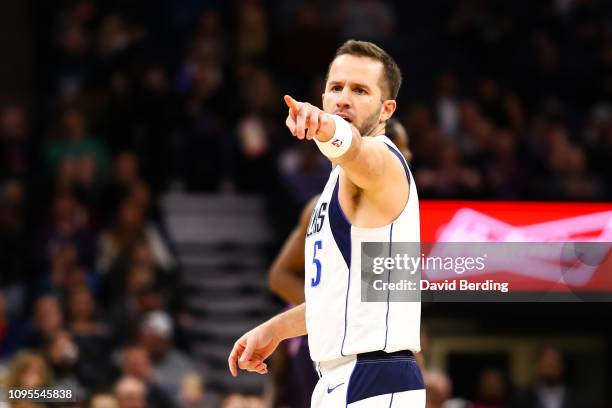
(275, 328)
(340, 140)
(328, 128)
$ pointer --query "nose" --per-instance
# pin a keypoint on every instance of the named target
(344, 99)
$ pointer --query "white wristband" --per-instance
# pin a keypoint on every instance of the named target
(339, 142)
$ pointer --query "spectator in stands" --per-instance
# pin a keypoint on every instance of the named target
(127, 170)
(492, 390)
(446, 104)
(242, 401)
(13, 238)
(598, 136)
(74, 62)
(76, 144)
(504, 172)
(92, 335)
(449, 177)
(256, 132)
(439, 391)
(83, 318)
(28, 370)
(63, 258)
(564, 173)
(131, 393)
(63, 357)
(550, 389)
(252, 37)
(303, 27)
(129, 229)
(68, 226)
(136, 363)
(127, 184)
(15, 148)
(126, 174)
(134, 272)
(171, 367)
(141, 194)
(304, 171)
(103, 400)
(66, 273)
(142, 292)
(192, 392)
(48, 320)
(438, 388)
(10, 330)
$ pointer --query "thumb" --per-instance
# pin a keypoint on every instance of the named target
(292, 104)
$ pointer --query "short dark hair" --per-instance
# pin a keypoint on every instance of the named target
(392, 76)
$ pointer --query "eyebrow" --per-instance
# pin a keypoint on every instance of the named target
(354, 84)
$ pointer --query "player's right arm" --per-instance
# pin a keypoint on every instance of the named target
(286, 277)
(255, 346)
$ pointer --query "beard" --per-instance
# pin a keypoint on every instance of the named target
(370, 123)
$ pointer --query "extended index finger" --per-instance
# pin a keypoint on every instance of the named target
(292, 104)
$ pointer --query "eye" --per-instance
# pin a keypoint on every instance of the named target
(360, 91)
(336, 88)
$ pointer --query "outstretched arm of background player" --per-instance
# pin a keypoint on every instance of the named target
(286, 277)
(367, 163)
(251, 350)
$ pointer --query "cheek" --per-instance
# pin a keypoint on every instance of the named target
(328, 103)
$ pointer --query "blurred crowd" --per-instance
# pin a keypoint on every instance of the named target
(493, 389)
(502, 100)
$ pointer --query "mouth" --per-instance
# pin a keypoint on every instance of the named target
(344, 116)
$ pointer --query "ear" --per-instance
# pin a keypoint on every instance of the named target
(387, 110)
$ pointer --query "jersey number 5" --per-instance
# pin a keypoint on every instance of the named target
(314, 282)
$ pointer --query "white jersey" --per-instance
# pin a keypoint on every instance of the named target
(338, 322)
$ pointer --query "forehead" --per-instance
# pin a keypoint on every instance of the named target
(354, 69)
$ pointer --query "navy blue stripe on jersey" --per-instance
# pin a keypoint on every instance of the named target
(383, 355)
(340, 226)
(391, 402)
(388, 291)
(401, 159)
(384, 375)
(341, 231)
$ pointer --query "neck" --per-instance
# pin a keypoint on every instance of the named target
(376, 130)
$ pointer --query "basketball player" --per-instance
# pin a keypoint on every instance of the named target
(363, 350)
(286, 279)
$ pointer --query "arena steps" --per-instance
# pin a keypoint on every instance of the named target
(222, 243)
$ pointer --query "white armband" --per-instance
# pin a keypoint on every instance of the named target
(339, 142)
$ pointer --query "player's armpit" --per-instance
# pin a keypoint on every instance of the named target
(286, 277)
